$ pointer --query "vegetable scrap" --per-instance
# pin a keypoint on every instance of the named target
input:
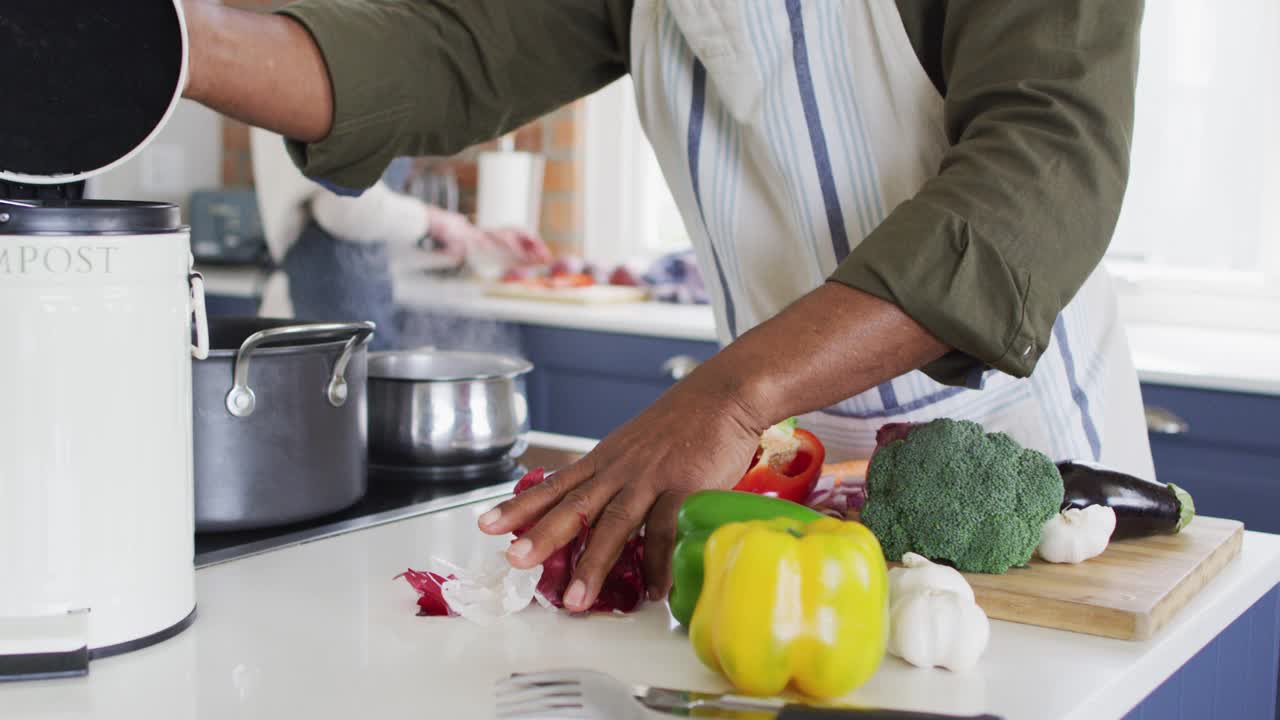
(484, 593)
(430, 594)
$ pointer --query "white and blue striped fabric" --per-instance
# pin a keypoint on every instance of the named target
(787, 130)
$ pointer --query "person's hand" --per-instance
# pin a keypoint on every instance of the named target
(831, 344)
(698, 435)
(524, 248)
(458, 237)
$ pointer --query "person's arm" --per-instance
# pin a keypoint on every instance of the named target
(970, 272)
(264, 70)
(378, 215)
(356, 83)
(1039, 104)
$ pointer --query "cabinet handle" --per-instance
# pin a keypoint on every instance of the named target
(1164, 422)
(679, 367)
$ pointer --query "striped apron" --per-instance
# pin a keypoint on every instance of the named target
(787, 130)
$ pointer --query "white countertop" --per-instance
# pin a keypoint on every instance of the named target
(468, 299)
(322, 631)
(1184, 356)
(1210, 359)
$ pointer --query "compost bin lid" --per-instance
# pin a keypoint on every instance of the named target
(87, 85)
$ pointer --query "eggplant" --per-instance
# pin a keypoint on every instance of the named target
(1142, 507)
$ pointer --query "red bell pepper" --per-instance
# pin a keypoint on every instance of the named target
(787, 464)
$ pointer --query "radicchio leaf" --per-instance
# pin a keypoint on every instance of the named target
(531, 478)
(623, 587)
(430, 595)
(556, 572)
(892, 432)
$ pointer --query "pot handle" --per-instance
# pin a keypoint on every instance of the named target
(337, 390)
(241, 401)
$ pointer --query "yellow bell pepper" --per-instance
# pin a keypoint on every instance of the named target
(786, 601)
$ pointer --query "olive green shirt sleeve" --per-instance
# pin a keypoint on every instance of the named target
(433, 78)
(1038, 107)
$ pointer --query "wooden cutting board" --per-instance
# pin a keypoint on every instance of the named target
(590, 295)
(1129, 592)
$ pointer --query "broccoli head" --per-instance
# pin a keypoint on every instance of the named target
(951, 492)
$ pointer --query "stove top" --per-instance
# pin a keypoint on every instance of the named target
(394, 494)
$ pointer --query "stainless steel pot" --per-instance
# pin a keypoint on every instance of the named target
(430, 407)
(280, 415)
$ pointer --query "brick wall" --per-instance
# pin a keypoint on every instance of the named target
(556, 136)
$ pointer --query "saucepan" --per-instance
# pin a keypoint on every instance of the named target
(445, 408)
(280, 414)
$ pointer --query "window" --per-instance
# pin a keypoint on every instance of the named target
(1199, 236)
(628, 210)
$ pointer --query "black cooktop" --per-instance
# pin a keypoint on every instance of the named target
(392, 496)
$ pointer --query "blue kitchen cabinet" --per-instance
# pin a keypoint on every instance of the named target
(588, 383)
(1234, 676)
(1223, 448)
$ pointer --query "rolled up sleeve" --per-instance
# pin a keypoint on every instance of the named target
(411, 77)
(1039, 113)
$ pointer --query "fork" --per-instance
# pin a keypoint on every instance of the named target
(566, 694)
(591, 695)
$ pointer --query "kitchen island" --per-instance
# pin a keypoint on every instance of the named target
(321, 630)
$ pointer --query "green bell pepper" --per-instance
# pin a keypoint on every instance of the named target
(700, 515)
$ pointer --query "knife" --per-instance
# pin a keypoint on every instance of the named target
(688, 703)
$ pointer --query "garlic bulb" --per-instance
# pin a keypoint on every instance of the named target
(938, 628)
(920, 573)
(933, 619)
(1075, 535)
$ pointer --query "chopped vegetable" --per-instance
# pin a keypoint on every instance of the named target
(1075, 535)
(841, 490)
(951, 492)
(789, 602)
(786, 465)
(700, 515)
(430, 594)
(847, 471)
(557, 569)
(1142, 508)
(623, 587)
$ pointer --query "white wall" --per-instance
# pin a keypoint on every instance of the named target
(185, 156)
